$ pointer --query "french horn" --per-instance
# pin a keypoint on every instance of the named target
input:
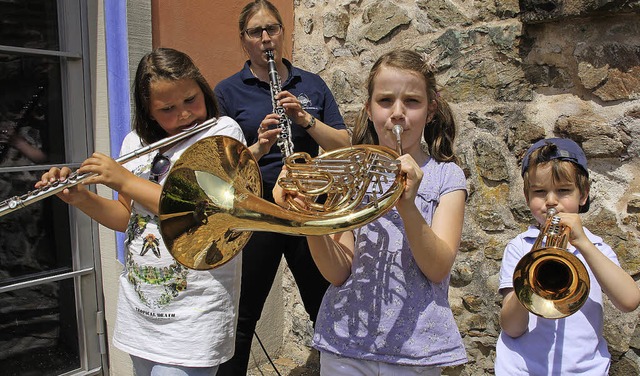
(549, 281)
(211, 200)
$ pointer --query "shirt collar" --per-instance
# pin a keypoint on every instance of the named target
(533, 231)
(247, 75)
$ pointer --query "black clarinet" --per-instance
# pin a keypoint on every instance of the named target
(22, 121)
(284, 138)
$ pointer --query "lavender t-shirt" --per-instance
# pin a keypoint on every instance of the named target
(387, 310)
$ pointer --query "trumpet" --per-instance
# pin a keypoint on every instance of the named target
(17, 202)
(549, 281)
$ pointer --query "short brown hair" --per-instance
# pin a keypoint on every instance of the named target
(164, 64)
(561, 170)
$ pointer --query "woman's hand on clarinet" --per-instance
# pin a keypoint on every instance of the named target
(268, 132)
(293, 108)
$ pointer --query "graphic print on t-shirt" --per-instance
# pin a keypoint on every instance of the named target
(155, 279)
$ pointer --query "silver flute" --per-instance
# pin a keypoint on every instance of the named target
(284, 138)
(17, 202)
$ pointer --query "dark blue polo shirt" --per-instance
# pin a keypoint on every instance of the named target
(247, 100)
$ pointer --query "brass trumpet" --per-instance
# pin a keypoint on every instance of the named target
(210, 202)
(550, 281)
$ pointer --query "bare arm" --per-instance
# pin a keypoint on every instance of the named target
(433, 247)
(514, 318)
(615, 282)
(113, 214)
(115, 176)
(33, 153)
(333, 254)
(326, 136)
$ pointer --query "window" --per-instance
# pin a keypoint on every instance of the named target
(50, 300)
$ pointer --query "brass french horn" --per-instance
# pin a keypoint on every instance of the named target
(550, 281)
(210, 202)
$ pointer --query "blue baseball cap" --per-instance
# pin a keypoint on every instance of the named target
(566, 150)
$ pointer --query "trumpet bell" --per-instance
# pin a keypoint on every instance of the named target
(551, 282)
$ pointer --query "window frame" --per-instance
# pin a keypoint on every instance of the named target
(78, 32)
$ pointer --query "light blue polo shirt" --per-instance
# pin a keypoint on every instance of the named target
(573, 345)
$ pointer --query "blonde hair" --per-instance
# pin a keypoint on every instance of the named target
(254, 7)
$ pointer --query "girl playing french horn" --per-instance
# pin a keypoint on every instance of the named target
(387, 311)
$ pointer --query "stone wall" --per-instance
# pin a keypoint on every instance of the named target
(514, 72)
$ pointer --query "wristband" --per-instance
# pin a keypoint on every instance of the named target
(311, 123)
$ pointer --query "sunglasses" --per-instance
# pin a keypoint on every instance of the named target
(159, 166)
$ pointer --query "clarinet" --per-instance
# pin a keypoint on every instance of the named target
(21, 122)
(284, 138)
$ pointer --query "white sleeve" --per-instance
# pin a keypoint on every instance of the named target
(227, 127)
(512, 254)
(130, 143)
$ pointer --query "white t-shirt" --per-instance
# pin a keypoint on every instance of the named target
(573, 345)
(168, 313)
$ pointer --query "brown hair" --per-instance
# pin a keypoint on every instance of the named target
(561, 171)
(164, 64)
(439, 133)
(254, 7)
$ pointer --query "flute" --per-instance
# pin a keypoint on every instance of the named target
(14, 203)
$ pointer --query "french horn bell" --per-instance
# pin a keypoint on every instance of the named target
(211, 200)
